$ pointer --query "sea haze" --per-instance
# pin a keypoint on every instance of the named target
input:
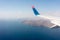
(16, 30)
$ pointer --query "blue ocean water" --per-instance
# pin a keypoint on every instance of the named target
(15, 30)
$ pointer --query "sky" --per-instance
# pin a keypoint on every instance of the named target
(10, 9)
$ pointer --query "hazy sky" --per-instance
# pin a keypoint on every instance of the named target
(22, 8)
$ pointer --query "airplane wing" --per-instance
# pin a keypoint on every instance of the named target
(53, 20)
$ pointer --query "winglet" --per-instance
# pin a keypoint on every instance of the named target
(35, 11)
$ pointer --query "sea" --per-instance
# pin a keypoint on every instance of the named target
(16, 30)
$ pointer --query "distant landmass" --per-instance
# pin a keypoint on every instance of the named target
(38, 22)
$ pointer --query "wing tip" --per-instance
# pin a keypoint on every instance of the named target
(33, 6)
